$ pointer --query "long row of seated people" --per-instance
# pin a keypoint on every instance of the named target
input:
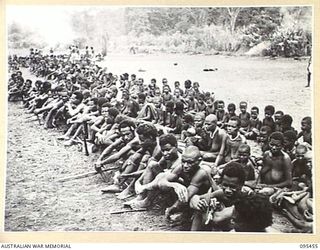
(182, 143)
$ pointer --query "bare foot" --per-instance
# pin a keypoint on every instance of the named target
(125, 194)
(111, 189)
(140, 204)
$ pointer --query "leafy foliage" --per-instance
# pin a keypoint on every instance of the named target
(20, 37)
(232, 29)
(284, 31)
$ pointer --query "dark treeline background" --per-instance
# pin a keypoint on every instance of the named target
(266, 31)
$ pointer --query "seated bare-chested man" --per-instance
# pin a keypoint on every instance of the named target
(208, 215)
(169, 160)
(277, 167)
(147, 135)
(187, 180)
(216, 140)
(122, 148)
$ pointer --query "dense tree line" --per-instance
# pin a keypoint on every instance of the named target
(276, 31)
(287, 31)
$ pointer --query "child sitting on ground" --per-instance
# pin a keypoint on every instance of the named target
(244, 117)
(268, 120)
(286, 122)
(290, 138)
(301, 167)
(306, 132)
(277, 120)
(254, 124)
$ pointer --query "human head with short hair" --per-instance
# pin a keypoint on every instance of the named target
(125, 94)
(46, 87)
(38, 84)
(190, 159)
(269, 111)
(277, 116)
(306, 124)
(254, 112)
(187, 84)
(233, 177)
(210, 101)
(243, 106)
(141, 98)
(169, 146)
(114, 91)
(93, 102)
(210, 123)
(153, 81)
(244, 153)
(301, 150)
(199, 119)
(276, 142)
(120, 118)
(286, 121)
(177, 92)
(201, 98)
(76, 97)
(164, 81)
(113, 112)
(101, 101)
(127, 130)
(140, 81)
(231, 108)
(188, 118)
(196, 86)
(166, 89)
(233, 125)
(252, 213)
(220, 105)
(28, 82)
(264, 133)
(147, 135)
(289, 139)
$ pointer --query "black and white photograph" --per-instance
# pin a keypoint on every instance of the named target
(160, 119)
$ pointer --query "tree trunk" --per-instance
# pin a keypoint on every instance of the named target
(233, 13)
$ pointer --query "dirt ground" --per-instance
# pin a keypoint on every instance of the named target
(36, 201)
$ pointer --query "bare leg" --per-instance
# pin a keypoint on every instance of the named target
(71, 140)
(197, 221)
(49, 118)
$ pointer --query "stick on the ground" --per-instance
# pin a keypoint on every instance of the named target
(132, 175)
(89, 174)
(129, 211)
(85, 138)
(31, 116)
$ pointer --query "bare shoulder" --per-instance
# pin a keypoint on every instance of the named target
(243, 139)
(200, 175)
(222, 133)
(134, 141)
(177, 170)
(267, 154)
(177, 162)
(286, 156)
